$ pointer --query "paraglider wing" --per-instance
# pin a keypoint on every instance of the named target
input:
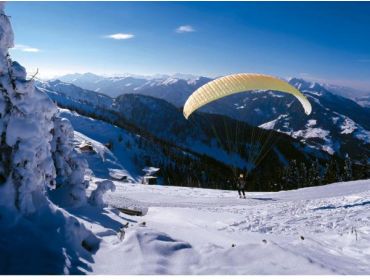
(237, 83)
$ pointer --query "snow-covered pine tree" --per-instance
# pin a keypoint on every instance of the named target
(26, 121)
(36, 145)
(70, 167)
(29, 222)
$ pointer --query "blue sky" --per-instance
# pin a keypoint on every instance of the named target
(327, 41)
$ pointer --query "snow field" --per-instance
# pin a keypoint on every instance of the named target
(319, 230)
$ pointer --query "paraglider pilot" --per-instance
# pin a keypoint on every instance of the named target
(241, 185)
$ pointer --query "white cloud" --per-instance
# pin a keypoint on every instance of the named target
(120, 36)
(185, 29)
(25, 48)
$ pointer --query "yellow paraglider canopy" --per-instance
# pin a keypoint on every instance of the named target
(237, 83)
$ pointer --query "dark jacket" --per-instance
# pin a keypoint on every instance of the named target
(241, 184)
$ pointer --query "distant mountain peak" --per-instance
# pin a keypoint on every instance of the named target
(302, 84)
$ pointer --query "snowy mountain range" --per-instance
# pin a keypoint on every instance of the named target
(174, 89)
(337, 125)
(155, 85)
(204, 141)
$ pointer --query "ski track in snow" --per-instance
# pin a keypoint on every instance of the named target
(319, 230)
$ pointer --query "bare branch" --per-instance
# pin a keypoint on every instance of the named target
(34, 75)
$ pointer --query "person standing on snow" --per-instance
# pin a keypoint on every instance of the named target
(241, 185)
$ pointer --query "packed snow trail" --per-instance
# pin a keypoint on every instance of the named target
(319, 230)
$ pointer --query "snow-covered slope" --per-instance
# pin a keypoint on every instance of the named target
(130, 152)
(74, 93)
(73, 97)
(319, 230)
(102, 161)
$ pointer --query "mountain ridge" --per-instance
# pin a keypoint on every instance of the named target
(337, 124)
(203, 139)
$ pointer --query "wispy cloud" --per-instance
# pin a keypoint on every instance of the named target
(185, 29)
(25, 48)
(120, 36)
